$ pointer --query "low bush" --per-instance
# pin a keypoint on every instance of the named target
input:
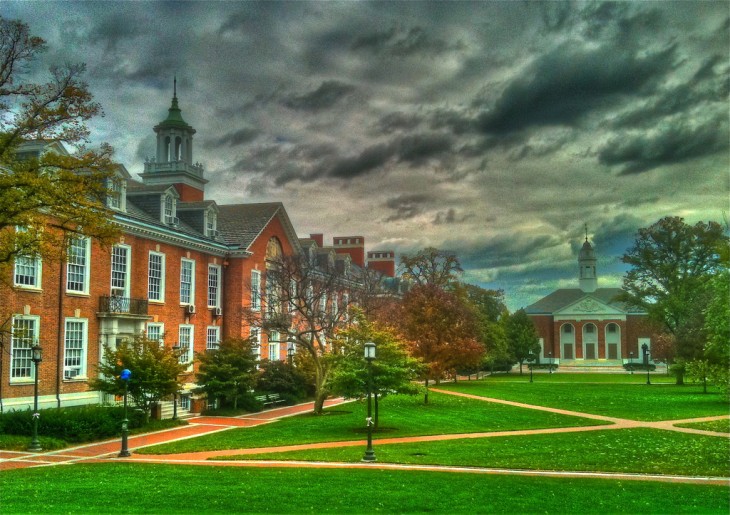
(639, 366)
(280, 377)
(73, 425)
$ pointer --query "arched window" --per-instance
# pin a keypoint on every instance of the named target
(273, 249)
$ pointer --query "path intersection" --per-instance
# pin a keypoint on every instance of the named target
(108, 450)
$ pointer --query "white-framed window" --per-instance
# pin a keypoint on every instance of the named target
(25, 330)
(255, 290)
(274, 346)
(323, 303)
(214, 282)
(116, 198)
(185, 341)
(121, 264)
(211, 224)
(255, 337)
(169, 209)
(184, 402)
(187, 281)
(335, 306)
(27, 272)
(213, 339)
(75, 345)
(77, 265)
(156, 331)
(156, 277)
(273, 303)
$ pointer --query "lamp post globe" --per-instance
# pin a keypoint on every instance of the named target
(37, 357)
(369, 357)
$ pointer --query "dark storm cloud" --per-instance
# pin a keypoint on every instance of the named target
(567, 83)
(407, 206)
(397, 121)
(402, 42)
(504, 250)
(639, 152)
(112, 31)
(233, 139)
(450, 216)
(325, 96)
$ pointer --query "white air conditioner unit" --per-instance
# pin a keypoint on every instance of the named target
(218, 312)
(172, 220)
(190, 309)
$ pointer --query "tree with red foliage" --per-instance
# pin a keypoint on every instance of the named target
(441, 331)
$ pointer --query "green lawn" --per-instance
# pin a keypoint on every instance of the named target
(399, 416)
(638, 450)
(719, 426)
(623, 400)
(563, 377)
(152, 489)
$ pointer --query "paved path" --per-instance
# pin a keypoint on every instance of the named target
(105, 451)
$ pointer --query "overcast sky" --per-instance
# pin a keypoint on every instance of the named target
(492, 129)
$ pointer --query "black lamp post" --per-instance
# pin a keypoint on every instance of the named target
(531, 358)
(631, 362)
(37, 357)
(290, 350)
(645, 348)
(369, 357)
(550, 367)
(125, 376)
(176, 349)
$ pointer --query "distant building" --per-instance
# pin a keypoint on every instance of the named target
(587, 326)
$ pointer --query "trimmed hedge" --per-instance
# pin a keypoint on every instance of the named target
(73, 425)
(639, 366)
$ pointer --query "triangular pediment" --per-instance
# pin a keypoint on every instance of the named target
(588, 305)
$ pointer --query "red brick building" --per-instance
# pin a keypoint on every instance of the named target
(587, 326)
(184, 270)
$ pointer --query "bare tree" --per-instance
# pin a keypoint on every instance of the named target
(309, 300)
(431, 266)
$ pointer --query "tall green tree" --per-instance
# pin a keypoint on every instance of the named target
(393, 370)
(155, 371)
(672, 268)
(522, 337)
(431, 267)
(57, 191)
(227, 374)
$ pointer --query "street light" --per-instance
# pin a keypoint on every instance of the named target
(550, 368)
(37, 357)
(125, 376)
(631, 362)
(530, 357)
(176, 348)
(369, 357)
(290, 350)
(645, 348)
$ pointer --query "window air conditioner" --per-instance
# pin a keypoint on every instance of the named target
(218, 312)
(190, 309)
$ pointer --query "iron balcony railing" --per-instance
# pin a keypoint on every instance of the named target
(126, 305)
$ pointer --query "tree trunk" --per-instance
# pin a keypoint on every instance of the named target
(425, 397)
(319, 397)
(520, 367)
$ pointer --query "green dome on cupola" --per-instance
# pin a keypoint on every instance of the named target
(174, 118)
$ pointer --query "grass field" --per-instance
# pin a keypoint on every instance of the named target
(399, 416)
(633, 401)
(638, 450)
(161, 489)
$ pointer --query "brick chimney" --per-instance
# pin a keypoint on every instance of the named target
(352, 245)
(318, 238)
(382, 261)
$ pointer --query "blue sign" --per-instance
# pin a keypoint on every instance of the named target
(125, 375)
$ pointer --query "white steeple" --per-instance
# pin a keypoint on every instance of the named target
(587, 265)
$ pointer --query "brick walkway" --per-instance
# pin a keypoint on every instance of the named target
(104, 451)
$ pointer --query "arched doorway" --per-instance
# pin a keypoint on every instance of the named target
(613, 341)
(590, 341)
(567, 341)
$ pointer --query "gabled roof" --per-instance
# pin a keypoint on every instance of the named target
(191, 206)
(241, 224)
(563, 298)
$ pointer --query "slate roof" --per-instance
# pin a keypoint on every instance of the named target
(240, 224)
(564, 297)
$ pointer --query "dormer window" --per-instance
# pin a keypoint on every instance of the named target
(169, 210)
(116, 197)
(211, 224)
